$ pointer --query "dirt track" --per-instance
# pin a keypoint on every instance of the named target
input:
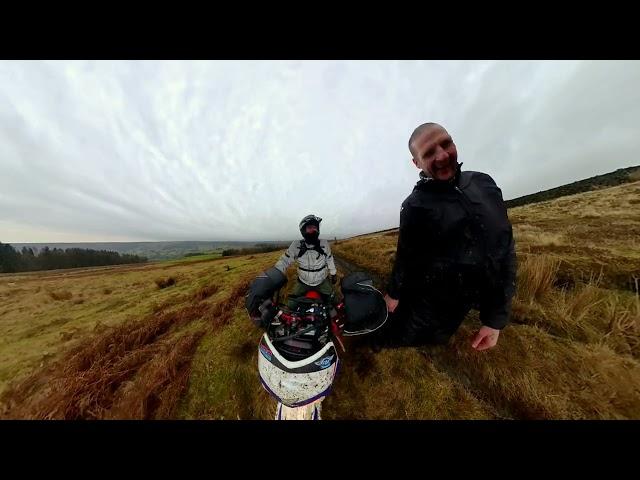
(347, 267)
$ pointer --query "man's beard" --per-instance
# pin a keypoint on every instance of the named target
(311, 237)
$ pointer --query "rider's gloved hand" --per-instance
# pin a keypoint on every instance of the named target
(256, 319)
(268, 311)
(264, 314)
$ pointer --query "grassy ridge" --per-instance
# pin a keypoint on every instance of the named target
(620, 176)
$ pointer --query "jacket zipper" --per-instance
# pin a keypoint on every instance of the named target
(465, 202)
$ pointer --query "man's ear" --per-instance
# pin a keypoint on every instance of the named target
(415, 162)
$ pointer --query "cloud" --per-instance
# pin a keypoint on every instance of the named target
(239, 150)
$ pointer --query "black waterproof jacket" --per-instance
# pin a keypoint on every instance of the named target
(456, 246)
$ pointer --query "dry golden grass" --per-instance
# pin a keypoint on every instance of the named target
(534, 375)
(623, 324)
(399, 384)
(133, 350)
(138, 368)
(205, 292)
(165, 282)
(155, 391)
(536, 275)
(375, 252)
(61, 295)
(36, 330)
(530, 234)
(591, 233)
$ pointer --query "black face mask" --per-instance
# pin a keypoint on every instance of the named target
(311, 237)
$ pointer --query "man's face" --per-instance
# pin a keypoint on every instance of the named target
(310, 233)
(435, 153)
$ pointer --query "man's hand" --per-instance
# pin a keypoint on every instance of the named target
(392, 303)
(486, 337)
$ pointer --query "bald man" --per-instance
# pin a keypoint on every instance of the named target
(455, 251)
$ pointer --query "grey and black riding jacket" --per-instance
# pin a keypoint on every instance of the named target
(315, 262)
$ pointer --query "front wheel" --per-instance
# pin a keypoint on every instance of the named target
(306, 412)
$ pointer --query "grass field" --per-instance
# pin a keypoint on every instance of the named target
(77, 344)
(172, 340)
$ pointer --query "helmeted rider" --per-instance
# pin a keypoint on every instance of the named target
(314, 259)
(298, 359)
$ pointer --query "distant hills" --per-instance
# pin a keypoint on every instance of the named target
(152, 250)
(620, 176)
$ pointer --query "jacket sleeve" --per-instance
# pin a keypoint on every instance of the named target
(330, 263)
(287, 258)
(495, 309)
(405, 252)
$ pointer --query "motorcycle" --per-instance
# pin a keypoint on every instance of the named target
(298, 356)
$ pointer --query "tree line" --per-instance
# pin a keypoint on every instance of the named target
(250, 250)
(26, 260)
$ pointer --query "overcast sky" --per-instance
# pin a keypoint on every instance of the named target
(242, 150)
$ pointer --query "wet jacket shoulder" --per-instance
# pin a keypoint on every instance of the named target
(455, 241)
